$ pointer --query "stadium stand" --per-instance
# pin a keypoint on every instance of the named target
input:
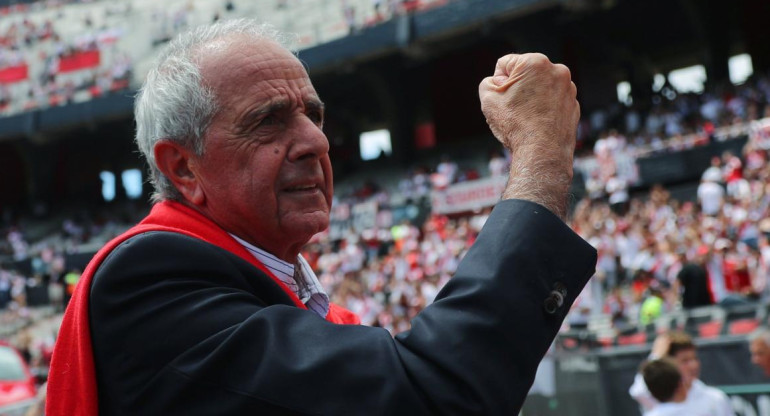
(56, 53)
(387, 270)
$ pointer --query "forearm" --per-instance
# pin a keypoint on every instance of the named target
(530, 181)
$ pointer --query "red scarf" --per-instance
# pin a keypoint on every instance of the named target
(72, 377)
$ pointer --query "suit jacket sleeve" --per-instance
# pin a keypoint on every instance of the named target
(183, 327)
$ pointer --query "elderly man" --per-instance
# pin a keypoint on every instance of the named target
(207, 308)
(759, 346)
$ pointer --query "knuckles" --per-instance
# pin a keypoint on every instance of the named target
(538, 60)
(502, 63)
(562, 72)
(537, 65)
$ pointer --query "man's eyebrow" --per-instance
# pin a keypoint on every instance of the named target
(267, 108)
(276, 106)
(314, 104)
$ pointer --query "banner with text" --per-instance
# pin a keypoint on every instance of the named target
(468, 196)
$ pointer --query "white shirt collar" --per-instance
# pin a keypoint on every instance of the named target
(308, 289)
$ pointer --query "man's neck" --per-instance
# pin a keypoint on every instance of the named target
(287, 254)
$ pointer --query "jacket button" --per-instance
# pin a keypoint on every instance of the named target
(555, 299)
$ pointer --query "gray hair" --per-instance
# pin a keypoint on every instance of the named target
(175, 104)
(762, 333)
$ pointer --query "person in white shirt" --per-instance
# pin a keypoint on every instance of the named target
(666, 385)
(714, 172)
(617, 189)
(711, 196)
(701, 398)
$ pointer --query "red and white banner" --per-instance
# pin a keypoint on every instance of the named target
(13, 74)
(468, 196)
(79, 60)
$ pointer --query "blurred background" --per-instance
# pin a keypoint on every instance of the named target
(672, 184)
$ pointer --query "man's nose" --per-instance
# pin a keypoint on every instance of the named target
(309, 141)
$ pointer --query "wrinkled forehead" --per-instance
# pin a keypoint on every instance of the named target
(230, 64)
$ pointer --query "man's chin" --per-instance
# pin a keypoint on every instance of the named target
(306, 225)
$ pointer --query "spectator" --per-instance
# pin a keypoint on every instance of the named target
(759, 346)
(693, 281)
(714, 172)
(446, 171)
(652, 307)
(667, 386)
(701, 399)
(617, 189)
(70, 281)
(498, 165)
(735, 268)
(710, 195)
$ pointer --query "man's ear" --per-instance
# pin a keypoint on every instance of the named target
(177, 163)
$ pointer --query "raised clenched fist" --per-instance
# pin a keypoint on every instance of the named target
(531, 107)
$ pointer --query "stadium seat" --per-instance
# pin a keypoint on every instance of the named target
(411, 5)
(699, 316)
(742, 326)
(637, 338)
(569, 343)
(710, 329)
(605, 342)
(742, 319)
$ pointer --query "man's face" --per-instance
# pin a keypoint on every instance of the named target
(265, 171)
(689, 365)
(760, 355)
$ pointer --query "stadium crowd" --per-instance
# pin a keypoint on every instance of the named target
(53, 55)
(644, 243)
(390, 266)
(671, 122)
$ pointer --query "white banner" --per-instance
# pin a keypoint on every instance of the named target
(468, 196)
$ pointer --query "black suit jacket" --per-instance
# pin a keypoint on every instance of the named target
(180, 326)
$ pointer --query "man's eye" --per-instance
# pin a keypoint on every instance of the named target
(316, 116)
(268, 120)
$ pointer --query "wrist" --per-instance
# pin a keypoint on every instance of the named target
(548, 188)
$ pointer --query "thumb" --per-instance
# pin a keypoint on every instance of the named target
(503, 69)
(499, 80)
(490, 85)
(509, 70)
